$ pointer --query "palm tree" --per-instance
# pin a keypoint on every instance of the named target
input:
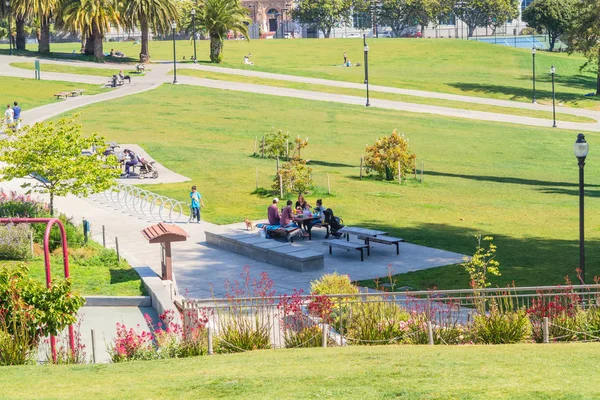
(219, 17)
(92, 18)
(155, 14)
(41, 11)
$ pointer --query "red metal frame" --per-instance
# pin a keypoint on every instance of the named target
(49, 223)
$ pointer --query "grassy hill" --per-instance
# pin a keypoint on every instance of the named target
(557, 371)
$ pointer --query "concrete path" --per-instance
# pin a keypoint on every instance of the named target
(157, 76)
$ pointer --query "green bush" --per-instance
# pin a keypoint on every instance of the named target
(333, 284)
(375, 320)
(31, 311)
(240, 333)
(565, 326)
(310, 336)
(74, 233)
(499, 327)
(14, 242)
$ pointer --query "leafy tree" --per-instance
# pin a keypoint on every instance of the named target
(51, 153)
(275, 144)
(296, 177)
(554, 16)
(401, 14)
(93, 18)
(155, 14)
(584, 34)
(384, 155)
(42, 11)
(218, 17)
(476, 13)
(324, 14)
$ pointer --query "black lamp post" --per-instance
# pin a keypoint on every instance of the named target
(283, 23)
(10, 41)
(581, 149)
(366, 48)
(552, 72)
(194, 31)
(533, 70)
(174, 26)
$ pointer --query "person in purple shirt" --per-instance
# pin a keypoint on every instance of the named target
(273, 212)
(287, 216)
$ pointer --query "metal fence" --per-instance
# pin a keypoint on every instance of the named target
(147, 203)
(437, 316)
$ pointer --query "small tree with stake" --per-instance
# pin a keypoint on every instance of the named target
(384, 156)
(51, 153)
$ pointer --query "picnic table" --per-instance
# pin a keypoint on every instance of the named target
(60, 95)
(363, 232)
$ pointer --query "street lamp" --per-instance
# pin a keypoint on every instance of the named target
(283, 22)
(194, 30)
(174, 26)
(10, 41)
(581, 149)
(366, 48)
(533, 56)
(552, 72)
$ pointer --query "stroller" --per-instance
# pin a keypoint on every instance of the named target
(147, 169)
(335, 223)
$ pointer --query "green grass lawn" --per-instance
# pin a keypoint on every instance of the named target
(73, 69)
(516, 183)
(383, 95)
(93, 270)
(557, 371)
(439, 65)
(31, 93)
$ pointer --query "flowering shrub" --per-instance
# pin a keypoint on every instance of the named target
(64, 353)
(384, 156)
(333, 284)
(375, 320)
(500, 327)
(131, 345)
(562, 311)
(14, 242)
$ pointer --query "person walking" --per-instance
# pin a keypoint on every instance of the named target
(345, 58)
(9, 115)
(197, 202)
(17, 115)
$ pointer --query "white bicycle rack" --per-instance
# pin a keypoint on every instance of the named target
(147, 203)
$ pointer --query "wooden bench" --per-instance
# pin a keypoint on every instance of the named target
(383, 240)
(348, 246)
(63, 95)
(77, 92)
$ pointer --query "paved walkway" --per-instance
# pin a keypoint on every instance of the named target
(157, 77)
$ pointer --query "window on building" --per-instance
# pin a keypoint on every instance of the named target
(448, 19)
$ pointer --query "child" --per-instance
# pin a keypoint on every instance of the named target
(197, 202)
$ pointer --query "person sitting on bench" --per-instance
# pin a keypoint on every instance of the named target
(273, 212)
(122, 76)
(133, 160)
(287, 216)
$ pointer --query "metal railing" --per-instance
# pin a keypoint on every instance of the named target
(147, 203)
(436, 312)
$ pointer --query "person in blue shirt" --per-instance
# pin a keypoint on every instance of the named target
(17, 111)
(197, 202)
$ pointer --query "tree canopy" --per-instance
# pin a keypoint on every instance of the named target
(476, 13)
(584, 34)
(323, 14)
(51, 153)
(553, 16)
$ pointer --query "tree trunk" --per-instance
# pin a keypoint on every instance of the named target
(470, 30)
(52, 204)
(21, 40)
(552, 42)
(327, 33)
(216, 48)
(44, 39)
(89, 46)
(98, 37)
(144, 52)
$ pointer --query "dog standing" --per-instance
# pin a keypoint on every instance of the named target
(249, 225)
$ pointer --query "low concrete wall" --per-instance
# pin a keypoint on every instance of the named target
(161, 292)
(118, 301)
(268, 250)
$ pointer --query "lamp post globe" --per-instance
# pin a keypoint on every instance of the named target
(581, 149)
(174, 27)
(194, 32)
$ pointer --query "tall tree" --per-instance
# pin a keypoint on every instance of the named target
(584, 35)
(553, 16)
(93, 18)
(218, 17)
(324, 14)
(150, 14)
(41, 11)
(475, 13)
(51, 153)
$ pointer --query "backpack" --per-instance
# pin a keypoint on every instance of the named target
(335, 223)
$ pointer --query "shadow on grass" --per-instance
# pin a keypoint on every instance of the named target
(507, 179)
(123, 275)
(517, 92)
(68, 56)
(329, 164)
(524, 261)
(583, 82)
